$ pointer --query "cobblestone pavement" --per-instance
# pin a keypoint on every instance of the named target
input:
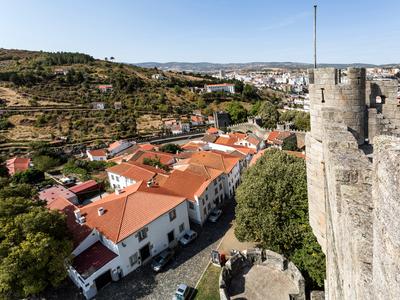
(143, 283)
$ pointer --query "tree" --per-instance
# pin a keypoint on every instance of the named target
(269, 114)
(44, 163)
(250, 92)
(237, 112)
(154, 162)
(170, 148)
(290, 144)
(34, 244)
(31, 176)
(272, 210)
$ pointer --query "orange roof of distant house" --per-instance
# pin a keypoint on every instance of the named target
(131, 210)
(17, 164)
(219, 161)
(79, 232)
(296, 153)
(213, 130)
(97, 152)
(191, 181)
(146, 147)
(277, 137)
(132, 171)
(89, 185)
(165, 158)
(197, 119)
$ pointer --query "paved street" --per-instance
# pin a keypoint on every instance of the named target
(145, 284)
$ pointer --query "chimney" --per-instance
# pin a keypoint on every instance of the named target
(100, 211)
(78, 215)
(82, 220)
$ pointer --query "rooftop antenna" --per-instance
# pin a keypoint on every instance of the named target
(315, 36)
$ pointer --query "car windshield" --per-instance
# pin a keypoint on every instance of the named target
(186, 236)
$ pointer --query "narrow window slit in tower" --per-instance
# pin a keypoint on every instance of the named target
(322, 95)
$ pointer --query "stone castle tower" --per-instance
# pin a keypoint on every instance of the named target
(353, 175)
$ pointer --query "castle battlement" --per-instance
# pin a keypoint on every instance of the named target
(353, 177)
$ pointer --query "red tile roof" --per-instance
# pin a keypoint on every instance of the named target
(131, 210)
(165, 158)
(212, 130)
(97, 152)
(132, 171)
(146, 147)
(277, 137)
(78, 232)
(261, 153)
(92, 259)
(17, 164)
(218, 161)
(85, 186)
(221, 84)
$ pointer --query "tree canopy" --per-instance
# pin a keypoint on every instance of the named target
(170, 148)
(34, 243)
(237, 112)
(272, 209)
(269, 114)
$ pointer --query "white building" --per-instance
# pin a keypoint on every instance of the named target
(96, 154)
(224, 87)
(119, 238)
(202, 186)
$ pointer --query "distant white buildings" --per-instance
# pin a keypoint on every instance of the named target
(224, 87)
(118, 146)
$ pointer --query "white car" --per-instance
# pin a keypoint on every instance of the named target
(188, 237)
(214, 215)
(183, 292)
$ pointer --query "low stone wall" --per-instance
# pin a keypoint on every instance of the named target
(259, 257)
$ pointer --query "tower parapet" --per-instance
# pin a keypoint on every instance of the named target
(343, 91)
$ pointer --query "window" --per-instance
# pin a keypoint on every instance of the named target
(142, 234)
(220, 186)
(202, 201)
(205, 210)
(216, 191)
(172, 215)
(209, 206)
(182, 227)
(117, 178)
(207, 197)
(191, 205)
(215, 182)
(112, 177)
(133, 259)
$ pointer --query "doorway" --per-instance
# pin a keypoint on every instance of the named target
(144, 253)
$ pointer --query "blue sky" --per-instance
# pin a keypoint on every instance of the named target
(206, 30)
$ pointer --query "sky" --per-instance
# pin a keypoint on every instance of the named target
(219, 31)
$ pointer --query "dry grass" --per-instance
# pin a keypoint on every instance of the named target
(13, 98)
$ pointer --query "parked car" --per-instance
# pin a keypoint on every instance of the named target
(160, 260)
(188, 237)
(183, 292)
(214, 215)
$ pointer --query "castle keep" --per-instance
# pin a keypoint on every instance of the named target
(353, 174)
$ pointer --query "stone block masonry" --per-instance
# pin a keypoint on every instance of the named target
(353, 195)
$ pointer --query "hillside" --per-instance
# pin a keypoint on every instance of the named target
(48, 96)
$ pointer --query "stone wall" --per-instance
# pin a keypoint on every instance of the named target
(354, 187)
(386, 218)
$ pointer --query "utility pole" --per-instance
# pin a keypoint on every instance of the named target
(315, 36)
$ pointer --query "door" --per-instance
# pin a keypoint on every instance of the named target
(103, 280)
(171, 237)
(144, 253)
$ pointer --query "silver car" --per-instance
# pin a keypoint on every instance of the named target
(183, 292)
(188, 237)
(214, 215)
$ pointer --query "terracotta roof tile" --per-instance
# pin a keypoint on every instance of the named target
(132, 171)
(17, 164)
(132, 209)
(98, 152)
